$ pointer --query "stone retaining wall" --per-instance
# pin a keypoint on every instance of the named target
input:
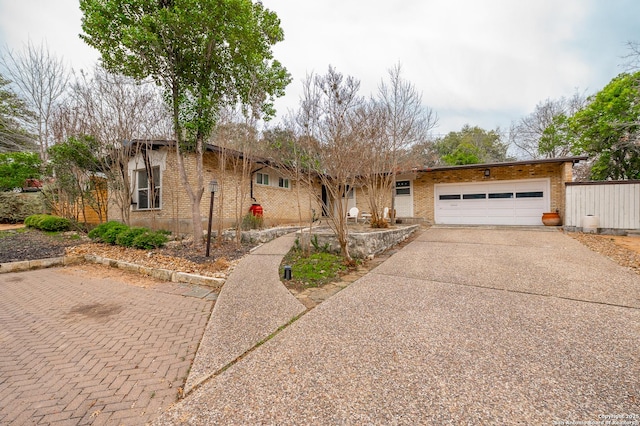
(364, 244)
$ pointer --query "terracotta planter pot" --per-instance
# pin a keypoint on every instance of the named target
(551, 219)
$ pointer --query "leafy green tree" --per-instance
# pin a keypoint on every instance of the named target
(545, 132)
(471, 145)
(608, 129)
(16, 167)
(205, 54)
(77, 184)
(13, 115)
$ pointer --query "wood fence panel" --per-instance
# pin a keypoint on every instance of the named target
(616, 204)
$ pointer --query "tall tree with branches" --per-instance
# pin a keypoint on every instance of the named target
(205, 54)
(41, 81)
(542, 134)
(14, 115)
(404, 121)
(328, 123)
(114, 110)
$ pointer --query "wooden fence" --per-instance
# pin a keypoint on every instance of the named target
(616, 204)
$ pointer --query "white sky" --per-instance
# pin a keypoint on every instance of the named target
(481, 62)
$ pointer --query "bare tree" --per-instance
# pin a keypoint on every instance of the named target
(285, 151)
(41, 80)
(548, 116)
(328, 122)
(404, 122)
(115, 110)
(632, 59)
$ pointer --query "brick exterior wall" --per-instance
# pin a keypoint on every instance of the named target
(232, 201)
(281, 205)
(423, 186)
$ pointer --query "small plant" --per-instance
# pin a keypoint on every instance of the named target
(149, 240)
(33, 220)
(249, 221)
(118, 233)
(319, 248)
(126, 238)
(379, 223)
(107, 232)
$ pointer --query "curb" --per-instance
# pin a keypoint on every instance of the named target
(160, 274)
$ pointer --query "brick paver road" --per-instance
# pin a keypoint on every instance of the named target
(82, 350)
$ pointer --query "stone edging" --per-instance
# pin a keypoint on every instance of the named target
(160, 274)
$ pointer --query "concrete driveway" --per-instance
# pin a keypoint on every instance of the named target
(79, 349)
(462, 326)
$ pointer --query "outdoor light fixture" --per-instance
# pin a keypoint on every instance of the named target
(287, 272)
(213, 188)
(487, 172)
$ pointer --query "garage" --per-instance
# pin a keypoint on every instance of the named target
(509, 202)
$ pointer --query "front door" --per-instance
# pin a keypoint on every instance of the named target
(404, 198)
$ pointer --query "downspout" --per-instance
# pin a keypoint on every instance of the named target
(251, 183)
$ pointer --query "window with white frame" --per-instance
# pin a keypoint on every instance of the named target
(148, 188)
(283, 183)
(262, 179)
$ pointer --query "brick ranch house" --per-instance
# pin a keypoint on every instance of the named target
(509, 193)
(170, 208)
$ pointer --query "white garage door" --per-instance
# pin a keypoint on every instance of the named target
(513, 202)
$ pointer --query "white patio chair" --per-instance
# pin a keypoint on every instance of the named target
(385, 214)
(353, 214)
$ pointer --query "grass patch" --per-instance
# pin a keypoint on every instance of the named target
(316, 270)
(11, 232)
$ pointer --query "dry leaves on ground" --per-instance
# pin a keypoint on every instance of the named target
(218, 268)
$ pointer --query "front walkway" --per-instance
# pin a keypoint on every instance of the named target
(252, 304)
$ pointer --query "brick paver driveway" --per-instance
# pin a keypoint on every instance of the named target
(78, 349)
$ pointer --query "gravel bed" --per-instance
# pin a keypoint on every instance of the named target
(606, 246)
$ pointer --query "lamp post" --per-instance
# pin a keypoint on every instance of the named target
(213, 187)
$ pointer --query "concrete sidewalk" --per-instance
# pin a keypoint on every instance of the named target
(252, 304)
(464, 326)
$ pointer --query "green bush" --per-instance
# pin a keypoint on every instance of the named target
(107, 232)
(250, 221)
(46, 222)
(54, 224)
(150, 240)
(118, 233)
(126, 238)
(33, 221)
(17, 207)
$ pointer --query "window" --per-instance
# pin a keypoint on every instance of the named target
(501, 195)
(403, 187)
(474, 196)
(262, 179)
(532, 194)
(283, 183)
(450, 197)
(148, 184)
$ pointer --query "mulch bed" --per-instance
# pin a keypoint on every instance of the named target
(31, 244)
(19, 245)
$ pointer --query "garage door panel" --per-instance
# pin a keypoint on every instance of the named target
(496, 203)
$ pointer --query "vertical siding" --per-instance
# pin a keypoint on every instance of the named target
(617, 205)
